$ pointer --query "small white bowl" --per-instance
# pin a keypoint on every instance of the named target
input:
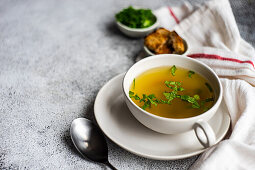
(149, 52)
(137, 32)
(170, 125)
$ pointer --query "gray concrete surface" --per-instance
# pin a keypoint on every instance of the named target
(54, 57)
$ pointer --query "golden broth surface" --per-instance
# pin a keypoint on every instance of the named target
(153, 82)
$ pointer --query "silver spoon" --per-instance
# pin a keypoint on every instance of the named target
(89, 141)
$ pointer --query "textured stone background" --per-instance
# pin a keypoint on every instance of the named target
(54, 57)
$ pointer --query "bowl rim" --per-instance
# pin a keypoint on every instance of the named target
(215, 106)
(146, 49)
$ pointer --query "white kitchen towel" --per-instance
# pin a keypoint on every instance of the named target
(213, 37)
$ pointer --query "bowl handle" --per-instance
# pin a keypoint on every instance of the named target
(204, 133)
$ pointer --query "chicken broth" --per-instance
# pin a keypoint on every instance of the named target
(172, 92)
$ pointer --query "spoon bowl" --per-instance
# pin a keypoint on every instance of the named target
(89, 141)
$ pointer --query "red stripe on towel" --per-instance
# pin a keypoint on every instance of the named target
(212, 56)
(173, 15)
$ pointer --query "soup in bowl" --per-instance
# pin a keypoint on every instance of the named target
(173, 94)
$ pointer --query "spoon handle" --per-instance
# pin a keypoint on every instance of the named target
(110, 165)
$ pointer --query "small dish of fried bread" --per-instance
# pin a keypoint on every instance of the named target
(163, 41)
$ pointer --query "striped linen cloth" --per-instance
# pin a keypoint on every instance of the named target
(213, 37)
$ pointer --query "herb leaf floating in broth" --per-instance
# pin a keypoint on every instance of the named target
(131, 95)
(134, 84)
(209, 87)
(177, 85)
(173, 69)
(151, 97)
(206, 101)
(170, 96)
(196, 96)
(209, 99)
(147, 99)
(191, 100)
(191, 73)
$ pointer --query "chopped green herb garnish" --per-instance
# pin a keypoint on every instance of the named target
(152, 102)
(205, 101)
(131, 94)
(175, 87)
(146, 105)
(209, 87)
(202, 103)
(180, 89)
(133, 84)
(191, 100)
(147, 99)
(170, 96)
(136, 18)
(190, 73)
(196, 96)
(195, 105)
(173, 70)
(137, 97)
(209, 99)
(144, 98)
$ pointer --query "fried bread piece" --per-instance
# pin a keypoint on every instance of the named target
(163, 32)
(163, 49)
(154, 40)
(176, 42)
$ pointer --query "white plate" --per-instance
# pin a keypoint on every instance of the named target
(118, 124)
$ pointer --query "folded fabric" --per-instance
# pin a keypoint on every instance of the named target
(213, 38)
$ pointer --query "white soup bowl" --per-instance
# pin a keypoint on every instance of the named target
(204, 132)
